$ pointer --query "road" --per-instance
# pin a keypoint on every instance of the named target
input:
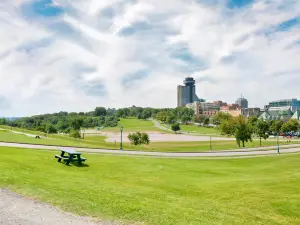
(225, 153)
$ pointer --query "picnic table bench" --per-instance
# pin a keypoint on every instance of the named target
(72, 156)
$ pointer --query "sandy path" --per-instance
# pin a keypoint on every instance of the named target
(163, 137)
(16, 209)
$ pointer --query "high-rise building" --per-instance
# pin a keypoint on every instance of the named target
(187, 94)
(284, 104)
(242, 102)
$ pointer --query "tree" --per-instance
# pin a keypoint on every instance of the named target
(185, 118)
(50, 129)
(219, 117)
(145, 139)
(139, 138)
(252, 121)
(276, 126)
(227, 127)
(171, 118)
(206, 121)
(175, 127)
(239, 128)
(162, 116)
(262, 129)
(100, 111)
(290, 126)
(77, 123)
(146, 114)
(199, 118)
(3, 121)
(243, 133)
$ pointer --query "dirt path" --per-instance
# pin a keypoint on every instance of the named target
(16, 209)
(162, 137)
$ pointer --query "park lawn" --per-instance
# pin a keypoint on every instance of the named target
(99, 142)
(161, 191)
(133, 125)
(193, 129)
(59, 140)
(203, 146)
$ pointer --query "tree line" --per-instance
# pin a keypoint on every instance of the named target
(244, 129)
(71, 123)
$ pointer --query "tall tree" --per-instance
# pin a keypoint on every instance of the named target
(219, 117)
(243, 133)
(290, 126)
(262, 130)
(100, 111)
(77, 123)
(276, 126)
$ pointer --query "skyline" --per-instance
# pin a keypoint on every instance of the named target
(75, 55)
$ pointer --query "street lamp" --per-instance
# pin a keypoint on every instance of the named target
(121, 144)
(278, 144)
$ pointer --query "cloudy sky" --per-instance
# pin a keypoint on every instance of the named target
(75, 55)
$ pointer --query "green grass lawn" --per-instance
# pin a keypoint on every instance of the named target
(134, 125)
(205, 145)
(262, 190)
(99, 142)
(193, 129)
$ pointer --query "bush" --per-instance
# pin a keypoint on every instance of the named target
(175, 127)
(75, 133)
(139, 138)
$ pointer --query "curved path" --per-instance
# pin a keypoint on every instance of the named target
(271, 150)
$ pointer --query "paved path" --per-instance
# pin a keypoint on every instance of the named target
(165, 137)
(238, 152)
(16, 209)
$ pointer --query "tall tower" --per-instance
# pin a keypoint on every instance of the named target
(187, 94)
(189, 83)
(242, 102)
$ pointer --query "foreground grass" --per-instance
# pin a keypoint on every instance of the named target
(161, 191)
(99, 142)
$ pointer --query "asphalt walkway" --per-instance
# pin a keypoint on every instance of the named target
(271, 150)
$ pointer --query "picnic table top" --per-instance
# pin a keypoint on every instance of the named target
(70, 151)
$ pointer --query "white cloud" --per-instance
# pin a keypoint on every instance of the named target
(241, 49)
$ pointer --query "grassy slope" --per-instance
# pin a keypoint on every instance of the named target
(134, 125)
(99, 142)
(193, 129)
(161, 191)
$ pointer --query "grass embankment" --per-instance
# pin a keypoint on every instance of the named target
(99, 142)
(161, 191)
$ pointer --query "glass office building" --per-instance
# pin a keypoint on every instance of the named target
(293, 104)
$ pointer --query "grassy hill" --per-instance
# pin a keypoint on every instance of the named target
(155, 191)
(133, 125)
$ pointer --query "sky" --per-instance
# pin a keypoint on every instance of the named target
(74, 55)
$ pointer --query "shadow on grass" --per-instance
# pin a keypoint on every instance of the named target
(75, 164)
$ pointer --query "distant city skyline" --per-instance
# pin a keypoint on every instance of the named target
(76, 55)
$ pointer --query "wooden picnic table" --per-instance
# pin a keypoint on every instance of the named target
(72, 156)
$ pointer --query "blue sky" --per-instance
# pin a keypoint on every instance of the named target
(76, 55)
